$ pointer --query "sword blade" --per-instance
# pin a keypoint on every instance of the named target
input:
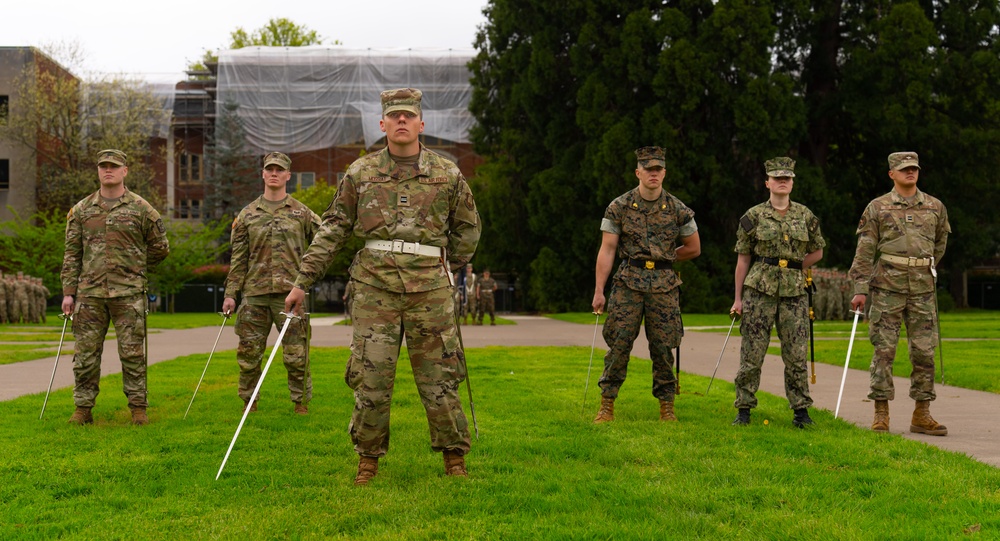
(62, 337)
(721, 353)
(847, 361)
(590, 366)
(221, 327)
(253, 397)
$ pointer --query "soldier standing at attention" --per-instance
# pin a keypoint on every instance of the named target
(484, 297)
(901, 238)
(269, 238)
(470, 294)
(643, 226)
(776, 241)
(113, 238)
(419, 222)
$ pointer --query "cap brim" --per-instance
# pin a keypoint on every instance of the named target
(646, 164)
(275, 162)
(781, 173)
(116, 162)
(407, 108)
(905, 164)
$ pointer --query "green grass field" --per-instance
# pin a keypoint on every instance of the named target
(540, 470)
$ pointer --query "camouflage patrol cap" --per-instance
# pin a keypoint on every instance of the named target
(111, 155)
(780, 167)
(401, 99)
(279, 159)
(902, 160)
(650, 157)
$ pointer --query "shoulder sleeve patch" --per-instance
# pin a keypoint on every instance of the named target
(746, 223)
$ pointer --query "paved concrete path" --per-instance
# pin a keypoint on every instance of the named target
(971, 416)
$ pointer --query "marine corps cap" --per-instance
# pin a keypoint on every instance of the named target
(902, 160)
(780, 167)
(279, 159)
(401, 99)
(111, 155)
(650, 157)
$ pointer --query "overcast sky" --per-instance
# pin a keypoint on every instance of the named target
(158, 39)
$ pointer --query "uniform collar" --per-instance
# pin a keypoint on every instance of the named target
(386, 165)
(918, 198)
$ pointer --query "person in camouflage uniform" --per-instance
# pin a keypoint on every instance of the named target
(484, 298)
(22, 312)
(113, 238)
(776, 241)
(43, 298)
(470, 295)
(269, 238)
(901, 238)
(416, 214)
(643, 226)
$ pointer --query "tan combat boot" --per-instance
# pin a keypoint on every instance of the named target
(252, 407)
(667, 411)
(881, 422)
(923, 423)
(454, 464)
(301, 408)
(367, 468)
(139, 417)
(81, 416)
(607, 412)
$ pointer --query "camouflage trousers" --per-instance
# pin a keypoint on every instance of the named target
(90, 327)
(627, 309)
(888, 310)
(791, 317)
(427, 320)
(470, 307)
(254, 318)
(486, 306)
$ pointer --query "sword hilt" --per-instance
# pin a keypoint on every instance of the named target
(66, 316)
(226, 315)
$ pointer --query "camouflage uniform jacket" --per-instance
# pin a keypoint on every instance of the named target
(380, 200)
(892, 226)
(650, 231)
(763, 232)
(109, 248)
(268, 248)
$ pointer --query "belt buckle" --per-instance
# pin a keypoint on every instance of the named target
(397, 246)
(650, 265)
(782, 263)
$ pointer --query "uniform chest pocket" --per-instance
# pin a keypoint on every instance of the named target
(768, 231)
(373, 202)
(124, 220)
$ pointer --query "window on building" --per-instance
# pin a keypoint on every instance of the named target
(190, 208)
(301, 181)
(191, 168)
(4, 174)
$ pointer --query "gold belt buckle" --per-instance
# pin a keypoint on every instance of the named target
(782, 263)
(650, 265)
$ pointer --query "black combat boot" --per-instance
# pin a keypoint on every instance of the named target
(742, 417)
(801, 419)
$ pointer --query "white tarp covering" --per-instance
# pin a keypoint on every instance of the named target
(298, 99)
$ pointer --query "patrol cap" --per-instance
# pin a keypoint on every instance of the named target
(401, 99)
(650, 157)
(902, 160)
(111, 155)
(780, 167)
(279, 159)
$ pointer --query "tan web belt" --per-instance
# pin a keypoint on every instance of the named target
(400, 247)
(907, 261)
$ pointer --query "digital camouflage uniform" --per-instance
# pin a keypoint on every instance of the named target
(775, 295)
(401, 294)
(267, 250)
(891, 225)
(109, 249)
(43, 298)
(22, 311)
(648, 231)
(486, 288)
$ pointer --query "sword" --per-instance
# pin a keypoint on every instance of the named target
(223, 326)
(735, 316)
(253, 397)
(847, 362)
(937, 318)
(597, 319)
(66, 319)
(461, 343)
